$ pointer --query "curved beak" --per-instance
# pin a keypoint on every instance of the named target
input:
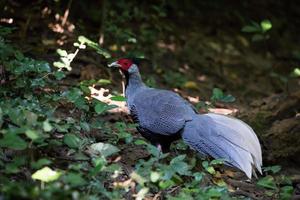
(114, 64)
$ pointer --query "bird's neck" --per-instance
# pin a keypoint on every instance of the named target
(133, 83)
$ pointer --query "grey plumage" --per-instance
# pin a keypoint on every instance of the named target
(162, 115)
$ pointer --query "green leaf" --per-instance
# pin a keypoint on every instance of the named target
(15, 165)
(94, 45)
(153, 150)
(140, 142)
(1, 117)
(198, 176)
(142, 193)
(46, 175)
(40, 163)
(267, 182)
(266, 25)
(71, 140)
(211, 170)
(208, 168)
(296, 72)
(104, 81)
(286, 192)
(99, 164)
(138, 178)
(104, 149)
(118, 98)
(74, 179)
(85, 126)
(228, 98)
(257, 37)
(32, 134)
(47, 127)
(31, 118)
(73, 94)
(250, 29)
(217, 94)
(101, 107)
(274, 169)
(13, 141)
(166, 184)
(59, 64)
(62, 52)
(154, 176)
(217, 162)
(59, 75)
(179, 165)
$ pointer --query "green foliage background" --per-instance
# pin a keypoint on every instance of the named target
(56, 142)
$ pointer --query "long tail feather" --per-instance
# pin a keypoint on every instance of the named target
(225, 137)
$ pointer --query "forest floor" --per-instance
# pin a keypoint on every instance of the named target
(192, 62)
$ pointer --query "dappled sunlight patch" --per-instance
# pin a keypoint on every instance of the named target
(224, 111)
(103, 95)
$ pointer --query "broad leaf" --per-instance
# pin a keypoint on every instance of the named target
(74, 179)
(267, 182)
(71, 140)
(118, 98)
(101, 107)
(40, 163)
(104, 149)
(46, 175)
(13, 141)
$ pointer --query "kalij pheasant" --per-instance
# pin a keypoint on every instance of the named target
(163, 117)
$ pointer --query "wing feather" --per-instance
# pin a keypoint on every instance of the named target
(161, 111)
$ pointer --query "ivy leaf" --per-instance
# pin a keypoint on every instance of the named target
(228, 98)
(13, 141)
(101, 107)
(266, 25)
(179, 165)
(250, 29)
(208, 168)
(166, 184)
(286, 192)
(59, 75)
(99, 164)
(71, 140)
(138, 178)
(218, 95)
(74, 179)
(198, 176)
(104, 149)
(142, 193)
(118, 98)
(267, 182)
(140, 142)
(47, 127)
(94, 45)
(1, 117)
(154, 176)
(41, 162)
(274, 169)
(46, 175)
(32, 134)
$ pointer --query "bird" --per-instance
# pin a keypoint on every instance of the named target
(163, 116)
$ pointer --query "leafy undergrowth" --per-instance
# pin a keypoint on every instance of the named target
(57, 142)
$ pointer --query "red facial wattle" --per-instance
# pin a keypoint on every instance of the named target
(125, 63)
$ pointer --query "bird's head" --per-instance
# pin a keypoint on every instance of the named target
(127, 65)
